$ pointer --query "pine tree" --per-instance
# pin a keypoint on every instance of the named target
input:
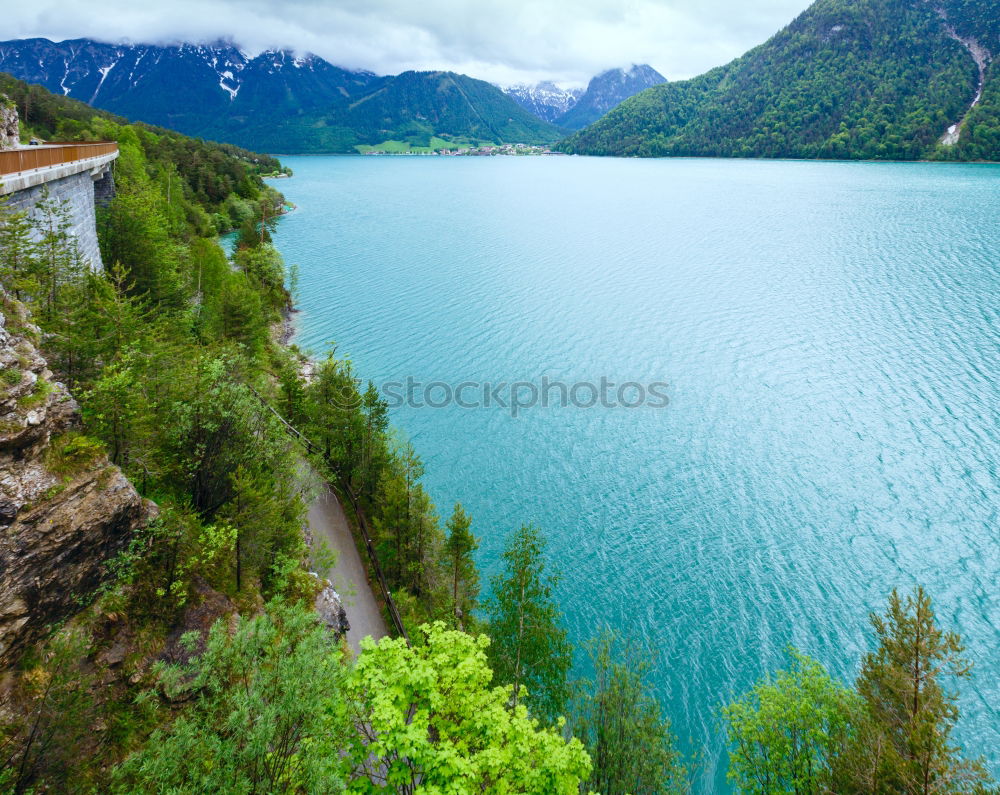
(904, 744)
(58, 259)
(18, 253)
(270, 713)
(458, 549)
(373, 446)
(530, 650)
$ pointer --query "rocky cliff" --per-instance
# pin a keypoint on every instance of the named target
(64, 510)
(9, 133)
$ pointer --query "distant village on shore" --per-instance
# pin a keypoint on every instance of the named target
(478, 151)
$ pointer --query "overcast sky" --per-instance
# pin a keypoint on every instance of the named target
(504, 41)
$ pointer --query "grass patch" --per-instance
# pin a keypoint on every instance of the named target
(36, 396)
(434, 144)
(72, 453)
(9, 426)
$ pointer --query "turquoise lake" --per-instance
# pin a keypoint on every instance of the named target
(830, 335)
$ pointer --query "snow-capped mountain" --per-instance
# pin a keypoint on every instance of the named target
(184, 86)
(576, 108)
(546, 100)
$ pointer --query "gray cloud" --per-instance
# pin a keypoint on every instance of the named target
(506, 42)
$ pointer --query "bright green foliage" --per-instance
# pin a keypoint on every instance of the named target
(904, 743)
(530, 649)
(269, 717)
(459, 564)
(429, 722)
(785, 731)
(619, 721)
(848, 79)
(801, 732)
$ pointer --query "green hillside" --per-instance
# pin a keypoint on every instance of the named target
(881, 79)
(411, 108)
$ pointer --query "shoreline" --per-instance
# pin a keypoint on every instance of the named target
(789, 159)
(287, 333)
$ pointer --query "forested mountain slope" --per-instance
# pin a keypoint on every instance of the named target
(190, 88)
(846, 79)
(413, 108)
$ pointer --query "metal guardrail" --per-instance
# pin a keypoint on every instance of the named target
(390, 604)
(15, 161)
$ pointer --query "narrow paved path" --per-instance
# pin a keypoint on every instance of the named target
(330, 528)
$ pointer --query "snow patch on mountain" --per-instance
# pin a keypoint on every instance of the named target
(231, 90)
(104, 75)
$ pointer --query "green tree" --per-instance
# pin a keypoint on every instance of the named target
(374, 449)
(269, 714)
(135, 234)
(429, 722)
(401, 502)
(461, 567)
(240, 314)
(904, 743)
(785, 732)
(268, 518)
(334, 420)
(18, 253)
(58, 258)
(619, 721)
(112, 408)
(264, 267)
(530, 649)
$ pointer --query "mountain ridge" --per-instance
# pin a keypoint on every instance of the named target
(545, 99)
(572, 109)
(274, 100)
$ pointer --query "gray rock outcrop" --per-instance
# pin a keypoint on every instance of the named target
(10, 136)
(331, 610)
(64, 509)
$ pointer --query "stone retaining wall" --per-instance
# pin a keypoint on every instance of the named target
(81, 191)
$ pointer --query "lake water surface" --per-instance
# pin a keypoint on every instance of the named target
(830, 334)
